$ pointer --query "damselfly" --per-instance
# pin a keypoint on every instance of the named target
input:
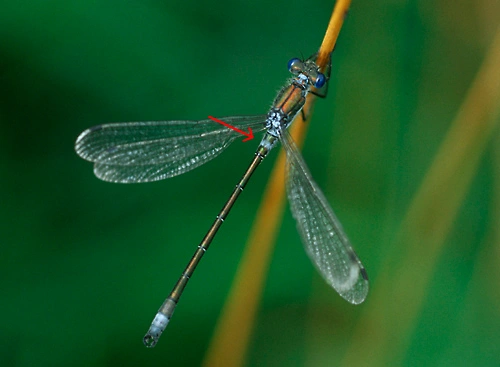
(149, 151)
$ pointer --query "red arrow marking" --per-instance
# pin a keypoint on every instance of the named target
(248, 134)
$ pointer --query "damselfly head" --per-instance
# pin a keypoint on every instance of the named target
(307, 72)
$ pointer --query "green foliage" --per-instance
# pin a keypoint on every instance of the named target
(85, 264)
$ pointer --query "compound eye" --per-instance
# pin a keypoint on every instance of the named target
(320, 80)
(294, 65)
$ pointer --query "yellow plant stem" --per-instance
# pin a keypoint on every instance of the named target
(234, 329)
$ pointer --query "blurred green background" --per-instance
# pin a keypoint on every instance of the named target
(85, 264)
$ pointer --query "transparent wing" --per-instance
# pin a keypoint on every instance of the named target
(150, 151)
(322, 234)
